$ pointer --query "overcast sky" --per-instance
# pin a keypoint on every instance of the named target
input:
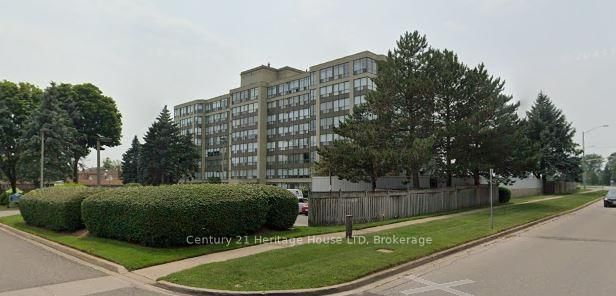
(147, 54)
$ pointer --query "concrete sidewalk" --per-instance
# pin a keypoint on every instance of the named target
(158, 271)
(9, 212)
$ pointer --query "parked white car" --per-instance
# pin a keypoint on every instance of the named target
(298, 193)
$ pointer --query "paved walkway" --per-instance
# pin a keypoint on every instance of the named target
(9, 212)
(158, 271)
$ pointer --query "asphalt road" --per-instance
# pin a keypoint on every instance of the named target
(29, 269)
(572, 255)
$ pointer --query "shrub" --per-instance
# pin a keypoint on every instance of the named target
(4, 198)
(56, 208)
(132, 185)
(162, 216)
(504, 195)
(283, 207)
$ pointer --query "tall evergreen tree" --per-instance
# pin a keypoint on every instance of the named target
(166, 155)
(491, 135)
(409, 85)
(552, 136)
(54, 122)
(131, 163)
(362, 154)
(447, 73)
(17, 101)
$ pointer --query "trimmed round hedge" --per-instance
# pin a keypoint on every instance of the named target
(283, 207)
(56, 208)
(504, 195)
(161, 216)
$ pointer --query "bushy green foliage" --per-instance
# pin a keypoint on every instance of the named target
(504, 195)
(4, 199)
(4, 196)
(283, 207)
(166, 215)
(56, 208)
(132, 185)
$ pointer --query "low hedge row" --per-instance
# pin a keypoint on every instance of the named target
(283, 207)
(166, 215)
(55, 208)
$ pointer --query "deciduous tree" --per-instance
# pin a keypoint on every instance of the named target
(17, 101)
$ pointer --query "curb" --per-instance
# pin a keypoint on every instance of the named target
(372, 277)
(102, 263)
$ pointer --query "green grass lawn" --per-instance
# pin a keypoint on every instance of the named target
(318, 265)
(133, 256)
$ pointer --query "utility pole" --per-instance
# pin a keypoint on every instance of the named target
(584, 164)
(491, 203)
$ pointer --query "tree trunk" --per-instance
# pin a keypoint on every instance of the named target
(476, 177)
(13, 180)
(373, 183)
(416, 184)
(76, 169)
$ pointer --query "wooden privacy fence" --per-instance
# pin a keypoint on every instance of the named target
(559, 187)
(376, 206)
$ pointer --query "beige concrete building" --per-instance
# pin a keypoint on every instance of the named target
(268, 129)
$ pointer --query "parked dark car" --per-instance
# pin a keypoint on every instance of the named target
(610, 199)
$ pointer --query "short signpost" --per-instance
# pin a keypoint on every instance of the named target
(349, 226)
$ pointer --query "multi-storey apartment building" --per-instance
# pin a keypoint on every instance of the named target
(268, 129)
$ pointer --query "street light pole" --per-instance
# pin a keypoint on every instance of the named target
(98, 158)
(584, 159)
(223, 141)
(491, 203)
(584, 152)
(98, 162)
(42, 158)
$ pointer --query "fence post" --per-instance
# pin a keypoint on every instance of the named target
(349, 226)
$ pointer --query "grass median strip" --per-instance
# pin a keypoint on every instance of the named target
(324, 264)
(134, 256)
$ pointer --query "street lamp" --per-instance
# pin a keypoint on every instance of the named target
(43, 131)
(584, 151)
(99, 140)
(223, 141)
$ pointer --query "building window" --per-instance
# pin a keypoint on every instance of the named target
(358, 100)
(364, 65)
(363, 84)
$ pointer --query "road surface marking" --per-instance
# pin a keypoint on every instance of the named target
(432, 286)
